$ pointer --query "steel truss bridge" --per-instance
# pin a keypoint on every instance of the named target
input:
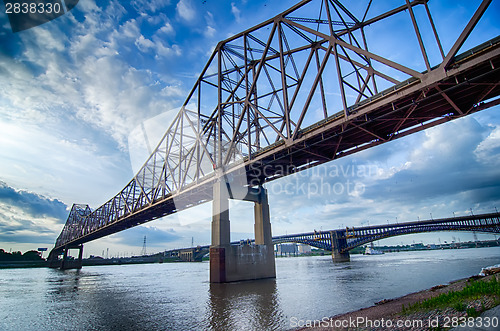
(298, 90)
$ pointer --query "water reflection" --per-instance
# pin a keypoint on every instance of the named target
(252, 305)
(63, 283)
(74, 291)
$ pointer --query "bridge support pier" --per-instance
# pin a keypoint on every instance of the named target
(338, 242)
(244, 262)
(72, 264)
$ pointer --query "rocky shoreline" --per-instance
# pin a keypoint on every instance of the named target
(389, 314)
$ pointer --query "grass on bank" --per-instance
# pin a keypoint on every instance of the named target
(458, 300)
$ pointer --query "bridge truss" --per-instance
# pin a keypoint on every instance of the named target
(298, 90)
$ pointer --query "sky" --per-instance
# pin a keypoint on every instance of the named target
(74, 91)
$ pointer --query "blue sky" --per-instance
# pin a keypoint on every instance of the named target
(74, 90)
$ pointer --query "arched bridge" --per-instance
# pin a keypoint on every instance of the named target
(341, 241)
(298, 90)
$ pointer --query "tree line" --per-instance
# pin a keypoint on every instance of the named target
(18, 256)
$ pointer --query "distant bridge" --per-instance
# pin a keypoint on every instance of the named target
(341, 241)
(296, 91)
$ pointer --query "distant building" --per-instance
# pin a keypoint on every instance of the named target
(293, 249)
(304, 249)
(287, 249)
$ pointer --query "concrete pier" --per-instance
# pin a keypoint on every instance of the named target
(244, 262)
(66, 263)
(338, 241)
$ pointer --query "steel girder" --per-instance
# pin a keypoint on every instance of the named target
(262, 107)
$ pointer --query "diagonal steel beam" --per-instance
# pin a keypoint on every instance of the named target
(465, 33)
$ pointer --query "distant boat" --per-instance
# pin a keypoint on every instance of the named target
(370, 250)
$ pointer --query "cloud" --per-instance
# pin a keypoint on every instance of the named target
(87, 76)
(33, 204)
(236, 12)
(27, 237)
(164, 51)
(150, 5)
(488, 150)
(210, 30)
(144, 44)
(453, 163)
(167, 28)
(27, 217)
(185, 10)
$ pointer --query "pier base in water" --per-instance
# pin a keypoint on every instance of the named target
(244, 262)
(65, 263)
(338, 241)
(340, 257)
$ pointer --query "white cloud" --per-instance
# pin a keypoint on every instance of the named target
(488, 150)
(209, 18)
(185, 10)
(115, 10)
(236, 12)
(167, 28)
(209, 32)
(42, 161)
(144, 44)
(162, 50)
(150, 5)
(88, 5)
(130, 29)
(118, 96)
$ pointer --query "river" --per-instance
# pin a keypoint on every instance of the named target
(178, 296)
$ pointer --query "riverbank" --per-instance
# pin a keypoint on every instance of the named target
(405, 313)
(93, 262)
(23, 264)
